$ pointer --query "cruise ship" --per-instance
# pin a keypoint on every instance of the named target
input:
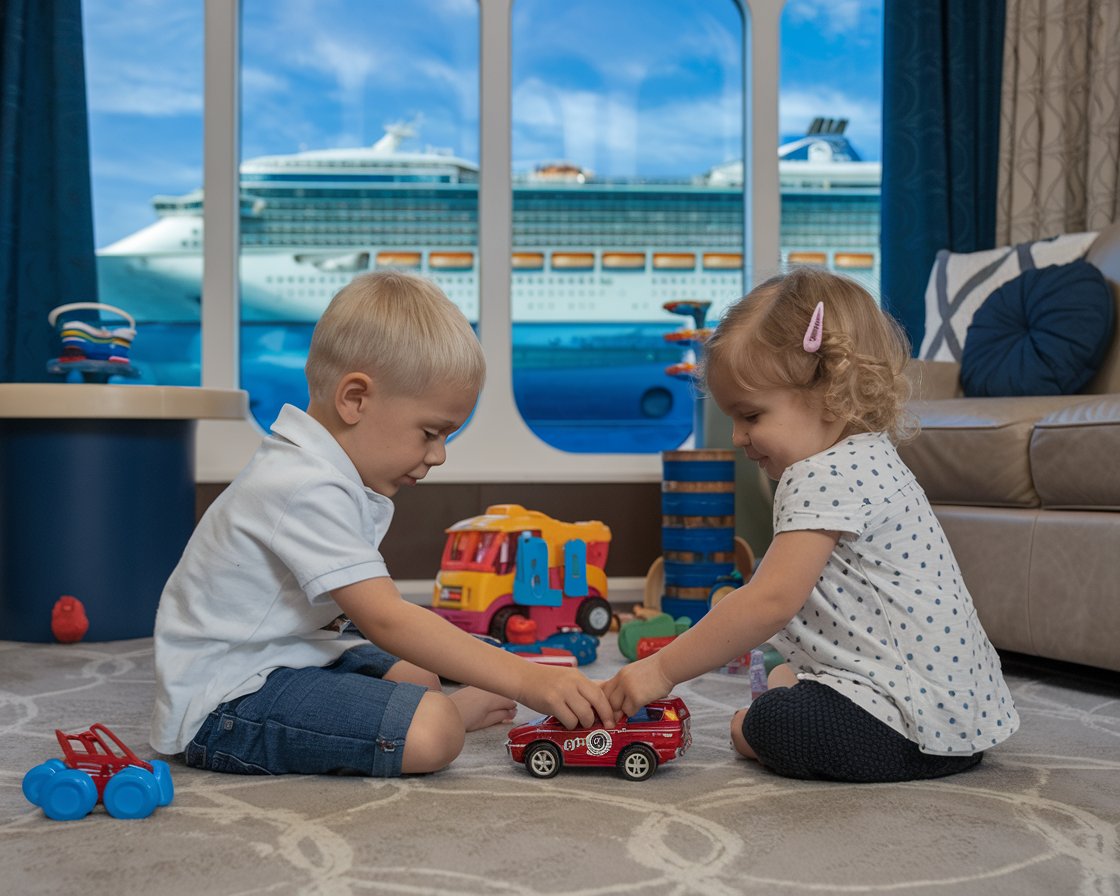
(594, 259)
(585, 249)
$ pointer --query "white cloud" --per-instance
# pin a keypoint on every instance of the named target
(607, 134)
(835, 17)
(158, 99)
(143, 57)
(255, 80)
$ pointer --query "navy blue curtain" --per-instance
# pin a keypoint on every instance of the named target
(46, 217)
(942, 62)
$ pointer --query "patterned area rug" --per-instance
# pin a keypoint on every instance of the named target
(1041, 815)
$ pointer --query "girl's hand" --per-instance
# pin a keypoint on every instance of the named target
(568, 694)
(636, 684)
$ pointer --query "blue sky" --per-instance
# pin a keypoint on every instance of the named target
(626, 88)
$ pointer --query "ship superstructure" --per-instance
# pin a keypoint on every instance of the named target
(585, 249)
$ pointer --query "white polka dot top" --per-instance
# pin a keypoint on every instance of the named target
(890, 623)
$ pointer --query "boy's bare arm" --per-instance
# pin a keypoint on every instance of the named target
(422, 637)
(744, 619)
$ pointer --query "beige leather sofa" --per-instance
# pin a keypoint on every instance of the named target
(1028, 491)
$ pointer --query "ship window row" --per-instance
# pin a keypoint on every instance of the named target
(299, 226)
(623, 217)
(432, 205)
(849, 261)
(389, 215)
(365, 234)
(612, 260)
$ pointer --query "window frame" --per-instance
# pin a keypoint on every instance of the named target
(498, 445)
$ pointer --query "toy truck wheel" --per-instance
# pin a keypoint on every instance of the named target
(594, 616)
(637, 762)
(34, 780)
(131, 793)
(543, 760)
(501, 619)
(162, 772)
(70, 794)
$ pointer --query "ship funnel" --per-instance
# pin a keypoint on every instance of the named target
(394, 134)
(827, 126)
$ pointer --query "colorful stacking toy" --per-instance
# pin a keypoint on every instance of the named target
(89, 348)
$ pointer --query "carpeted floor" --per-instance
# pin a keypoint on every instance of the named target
(1041, 815)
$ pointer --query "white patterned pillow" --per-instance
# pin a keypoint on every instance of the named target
(960, 282)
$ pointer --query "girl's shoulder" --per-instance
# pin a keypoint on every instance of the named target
(864, 467)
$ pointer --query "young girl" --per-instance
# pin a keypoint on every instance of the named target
(890, 676)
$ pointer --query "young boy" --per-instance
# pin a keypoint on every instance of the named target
(256, 670)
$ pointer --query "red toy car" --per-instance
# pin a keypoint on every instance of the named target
(655, 734)
(98, 767)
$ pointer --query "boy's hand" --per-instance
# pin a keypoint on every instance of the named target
(636, 684)
(571, 696)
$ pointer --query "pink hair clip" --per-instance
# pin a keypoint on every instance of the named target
(815, 330)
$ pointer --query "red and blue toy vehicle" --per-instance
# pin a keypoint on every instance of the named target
(98, 767)
(636, 746)
(512, 564)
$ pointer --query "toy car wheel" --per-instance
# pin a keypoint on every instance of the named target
(594, 616)
(70, 794)
(162, 772)
(500, 620)
(543, 760)
(637, 762)
(34, 780)
(131, 793)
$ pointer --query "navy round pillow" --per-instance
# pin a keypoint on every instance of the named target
(1044, 332)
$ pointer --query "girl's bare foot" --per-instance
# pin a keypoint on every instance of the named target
(481, 709)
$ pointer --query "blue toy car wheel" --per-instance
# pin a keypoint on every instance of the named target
(34, 780)
(131, 793)
(68, 795)
(162, 772)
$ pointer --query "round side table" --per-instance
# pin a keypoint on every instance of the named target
(97, 499)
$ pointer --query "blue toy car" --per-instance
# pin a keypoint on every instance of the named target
(98, 768)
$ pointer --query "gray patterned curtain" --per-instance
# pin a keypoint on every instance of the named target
(1059, 154)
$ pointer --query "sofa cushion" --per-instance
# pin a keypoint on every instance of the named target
(976, 451)
(1071, 604)
(1044, 332)
(959, 282)
(1073, 452)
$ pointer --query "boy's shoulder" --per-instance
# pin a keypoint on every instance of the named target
(298, 455)
(302, 448)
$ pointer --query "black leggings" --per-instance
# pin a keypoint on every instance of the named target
(812, 731)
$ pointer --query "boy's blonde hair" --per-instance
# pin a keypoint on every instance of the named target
(398, 328)
(858, 372)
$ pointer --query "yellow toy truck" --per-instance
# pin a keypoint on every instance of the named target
(515, 562)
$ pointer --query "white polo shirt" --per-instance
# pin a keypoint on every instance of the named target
(251, 592)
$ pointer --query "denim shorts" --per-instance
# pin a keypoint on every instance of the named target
(341, 719)
(812, 731)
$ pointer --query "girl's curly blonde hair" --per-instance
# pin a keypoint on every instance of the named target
(858, 372)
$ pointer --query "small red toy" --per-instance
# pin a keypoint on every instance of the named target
(655, 734)
(650, 646)
(69, 622)
(98, 768)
